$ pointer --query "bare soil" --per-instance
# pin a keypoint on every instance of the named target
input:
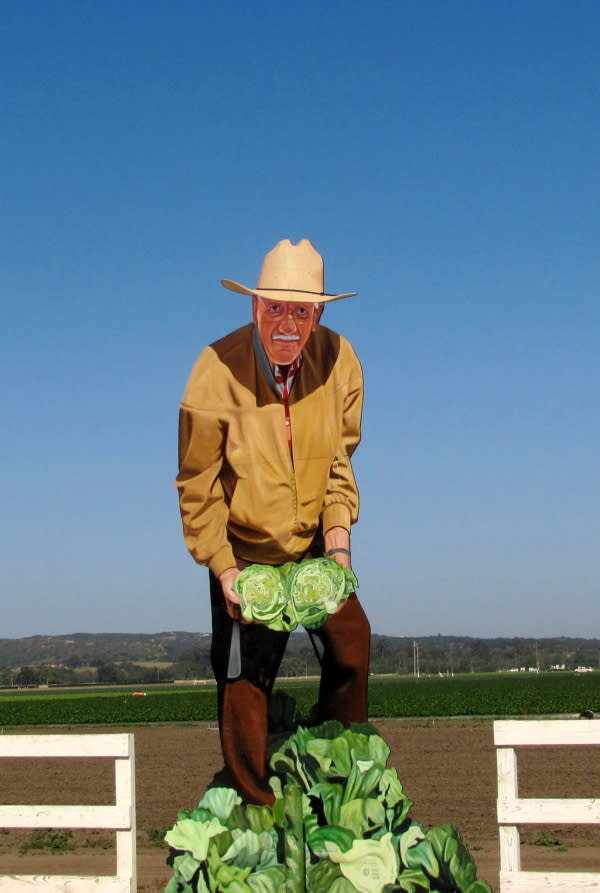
(447, 768)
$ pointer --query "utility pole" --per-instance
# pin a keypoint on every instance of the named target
(416, 670)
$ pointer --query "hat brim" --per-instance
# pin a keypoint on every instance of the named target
(279, 294)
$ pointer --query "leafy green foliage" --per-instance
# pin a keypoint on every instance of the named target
(55, 840)
(156, 836)
(220, 843)
(339, 824)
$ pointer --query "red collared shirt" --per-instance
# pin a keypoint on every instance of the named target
(284, 384)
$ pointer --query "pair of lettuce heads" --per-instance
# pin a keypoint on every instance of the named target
(339, 824)
(302, 593)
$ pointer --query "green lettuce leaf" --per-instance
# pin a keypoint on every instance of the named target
(226, 877)
(177, 884)
(392, 793)
(322, 876)
(259, 818)
(187, 866)
(341, 885)
(248, 849)
(194, 837)
(330, 795)
(271, 880)
(421, 856)
(198, 815)
(362, 816)
(319, 839)
(369, 864)
(410, 837)
(457, 868)
(220, 801)
(412, 881)
(185, 872)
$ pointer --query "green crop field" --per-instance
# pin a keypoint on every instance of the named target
(484, 695)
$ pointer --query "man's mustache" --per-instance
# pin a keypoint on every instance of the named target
(286, 338)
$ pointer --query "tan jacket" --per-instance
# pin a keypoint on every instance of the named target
(240, 493)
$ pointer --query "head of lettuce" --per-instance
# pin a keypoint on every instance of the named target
(264, 597)
(305, 593)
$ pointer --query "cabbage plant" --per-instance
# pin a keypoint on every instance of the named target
(340, 824)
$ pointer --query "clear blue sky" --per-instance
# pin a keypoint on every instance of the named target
(444, 158)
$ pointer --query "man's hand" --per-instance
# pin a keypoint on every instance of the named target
(232, 599)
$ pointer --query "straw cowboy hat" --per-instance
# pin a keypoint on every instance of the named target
(290, 273)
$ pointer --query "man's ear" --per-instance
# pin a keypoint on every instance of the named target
(317, 316)
(254, 306)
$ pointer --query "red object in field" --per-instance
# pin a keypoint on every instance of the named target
(139, 694)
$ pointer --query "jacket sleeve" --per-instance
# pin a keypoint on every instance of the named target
(341, 502)
(204, 511)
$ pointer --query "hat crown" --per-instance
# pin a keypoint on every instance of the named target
(289, 267)
(290, 273)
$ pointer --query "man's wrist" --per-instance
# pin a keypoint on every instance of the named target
(336, 538)
(222, 560)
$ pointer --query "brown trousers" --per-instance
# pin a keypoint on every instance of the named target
(243, 702)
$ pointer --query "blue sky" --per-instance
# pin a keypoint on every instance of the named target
(443, 157)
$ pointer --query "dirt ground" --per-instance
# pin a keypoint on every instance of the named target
(447, 768)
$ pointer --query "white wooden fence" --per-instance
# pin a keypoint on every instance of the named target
(513, 811)
(119, 817)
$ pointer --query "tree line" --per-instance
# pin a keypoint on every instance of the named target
(165, 657)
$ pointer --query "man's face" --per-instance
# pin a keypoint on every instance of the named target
(284, 327)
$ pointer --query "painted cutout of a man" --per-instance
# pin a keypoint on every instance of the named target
(268, 423)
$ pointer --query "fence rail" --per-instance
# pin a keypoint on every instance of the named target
(513, 810)
(119, 817)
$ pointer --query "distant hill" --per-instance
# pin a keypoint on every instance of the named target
(112, 657)
(90, 649)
